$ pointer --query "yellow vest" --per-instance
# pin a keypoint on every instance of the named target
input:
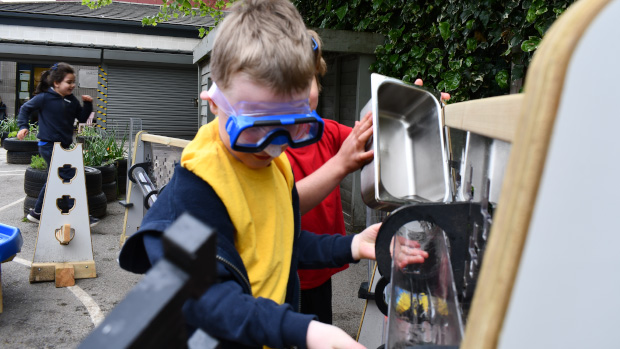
(259, 204)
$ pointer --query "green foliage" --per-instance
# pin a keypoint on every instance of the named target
(37, 162)
(116, 149)
(472, 49)
(177, 8)
(103, 149)
(33, 130)
(9, 125)
(90, 131)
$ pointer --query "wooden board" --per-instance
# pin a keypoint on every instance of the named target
(494, 117)
(544, 82)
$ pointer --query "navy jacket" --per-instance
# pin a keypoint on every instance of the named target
(56, 115)
(228, 311)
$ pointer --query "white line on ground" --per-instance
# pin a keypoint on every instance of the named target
(20, 171)
(22, 261)
(11, 174)
(12, 204)
(96, 315)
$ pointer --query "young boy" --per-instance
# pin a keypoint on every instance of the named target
(234, 177)
(319, 168)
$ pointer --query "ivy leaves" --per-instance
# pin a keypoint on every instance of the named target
(473, 49)
(176, 8)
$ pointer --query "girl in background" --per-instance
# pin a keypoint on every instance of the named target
(58, 108)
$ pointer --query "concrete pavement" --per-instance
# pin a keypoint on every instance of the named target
(39, 315)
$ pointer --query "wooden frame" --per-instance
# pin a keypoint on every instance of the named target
(134, 215)
(544, 80)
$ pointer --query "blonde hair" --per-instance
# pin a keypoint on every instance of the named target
(267, 40)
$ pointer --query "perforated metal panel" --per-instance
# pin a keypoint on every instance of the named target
(163, 98)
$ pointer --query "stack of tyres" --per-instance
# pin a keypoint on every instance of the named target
(97, 202)
(108, 181)
(20, 152)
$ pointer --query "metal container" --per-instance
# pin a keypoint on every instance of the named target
(410, 163)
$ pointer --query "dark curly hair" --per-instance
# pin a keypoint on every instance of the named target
(56, 73)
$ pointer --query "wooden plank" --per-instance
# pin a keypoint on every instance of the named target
(175, 142)
(511, 221)
(494, 117)
(47, 271)
(42, 272)
(64, 275)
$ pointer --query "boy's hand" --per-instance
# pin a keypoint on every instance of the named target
(407, 251)
(444, 96)
(326, 336)
(87, 98)
(352, 154)
(363, 245)
(22, 133)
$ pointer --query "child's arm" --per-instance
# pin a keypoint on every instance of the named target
(351, 156)
(84, 112)
(322, 335)
(24, 114)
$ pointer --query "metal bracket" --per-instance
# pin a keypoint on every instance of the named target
(145, 165)
(363, 292)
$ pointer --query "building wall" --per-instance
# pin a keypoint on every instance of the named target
(92, 37)
(7, 85)
(205, 82)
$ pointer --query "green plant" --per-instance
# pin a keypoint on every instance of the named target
(116, 150)
(103, 149)
(33, 130)
(472, 49)
(37, 162)
(90, 131)
(9, 125)
(95, 152)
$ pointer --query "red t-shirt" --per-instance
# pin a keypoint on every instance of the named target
(326, 217)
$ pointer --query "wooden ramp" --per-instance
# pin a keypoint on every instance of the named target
(64, 250)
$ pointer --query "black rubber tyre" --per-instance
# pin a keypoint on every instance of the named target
(33, 181)
(20, 157)
(108, 173)
(14, 144)
(110, 190)
(121, 169)
(97, 205)
(29, 203)
(93, 180)
(3, 136)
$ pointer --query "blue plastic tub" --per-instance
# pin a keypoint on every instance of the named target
(10, 241)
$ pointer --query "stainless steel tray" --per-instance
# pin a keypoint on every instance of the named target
(410, 163)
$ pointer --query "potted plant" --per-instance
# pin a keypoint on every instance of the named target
(97, 155)
(87, 135)
(34, 178)
(8, 126)
(21, 151)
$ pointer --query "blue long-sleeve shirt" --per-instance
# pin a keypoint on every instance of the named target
(56, 115)
(227, 310)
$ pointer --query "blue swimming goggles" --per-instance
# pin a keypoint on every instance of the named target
(252, 126)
